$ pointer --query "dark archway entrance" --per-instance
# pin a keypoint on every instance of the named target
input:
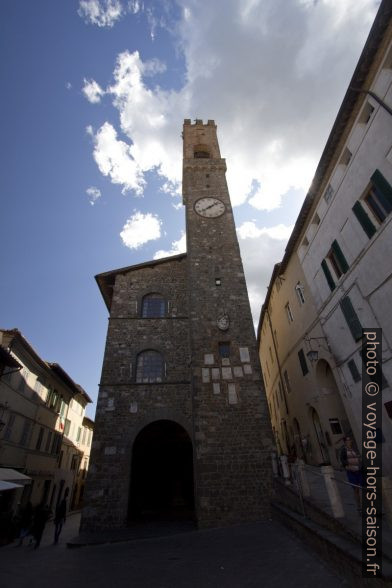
(162, 474)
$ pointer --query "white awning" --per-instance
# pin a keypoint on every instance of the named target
(9, 475)
(9, 486)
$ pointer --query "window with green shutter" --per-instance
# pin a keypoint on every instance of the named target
(352, 366)
(351, 317)
(328, 275)
(302, 361)
(364, 220)
(339, 258)
(383, 186)
(378, 199)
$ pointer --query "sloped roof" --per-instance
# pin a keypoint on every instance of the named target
(7, 359)
(62, 374)
(106, 280)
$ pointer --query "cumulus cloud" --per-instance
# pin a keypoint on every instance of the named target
(260, 249)
(140, 228)
(176, 248)
(249, 230)
(93, 194)
(116, 159)
(92, 91)
(103, 13)
(272, 74)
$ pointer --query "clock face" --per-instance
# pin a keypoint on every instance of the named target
(209, 207)
(223, 322)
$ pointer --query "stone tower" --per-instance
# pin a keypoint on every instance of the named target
(182, 427)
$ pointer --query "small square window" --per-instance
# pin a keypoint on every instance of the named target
(335, 426)
(316, 219)
(366, 113)
(328, 194)
(346, 157)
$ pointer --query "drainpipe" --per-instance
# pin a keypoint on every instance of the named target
(375, 97)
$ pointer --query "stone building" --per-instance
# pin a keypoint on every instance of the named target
(340, 251)
(182, 428)
(42, 411)
(303, 395)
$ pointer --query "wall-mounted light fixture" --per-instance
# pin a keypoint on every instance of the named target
(313, 354)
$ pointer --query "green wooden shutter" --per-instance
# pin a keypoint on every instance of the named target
(328, 274)
(364, 220)
(383, 187)
(351, 318)
(302, 361)
(340, 257)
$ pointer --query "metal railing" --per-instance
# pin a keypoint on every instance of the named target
(296, 476)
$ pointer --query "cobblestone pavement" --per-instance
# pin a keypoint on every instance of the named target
(262, 555)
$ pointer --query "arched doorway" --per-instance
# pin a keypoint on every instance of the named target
(162, 474)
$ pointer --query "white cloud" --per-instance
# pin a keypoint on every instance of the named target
(292, 63)
(176, 248)
(260, 249)
(92, 91)
(139, 229)
(102, 13)
(93, 194)
(249, 230)
(115, 159)
(68, 85)
(134, 6)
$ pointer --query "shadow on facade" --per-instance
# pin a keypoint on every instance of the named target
(162, 474)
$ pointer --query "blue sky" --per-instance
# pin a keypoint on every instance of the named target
(94, 93)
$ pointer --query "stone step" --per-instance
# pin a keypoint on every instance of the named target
(287, 496)
(342, 553)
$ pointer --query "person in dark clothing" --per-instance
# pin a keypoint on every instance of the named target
(41, 515)
(351, 461)
(26, 518)
(60, 516)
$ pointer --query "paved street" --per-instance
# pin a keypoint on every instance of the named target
(246, 556)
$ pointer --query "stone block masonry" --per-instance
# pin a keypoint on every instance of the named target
(209, 396)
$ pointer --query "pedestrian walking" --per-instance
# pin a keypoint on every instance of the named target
(351, 461)
(60, 516)
(41, 516)
(26, 519)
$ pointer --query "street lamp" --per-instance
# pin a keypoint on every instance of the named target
(313, 354)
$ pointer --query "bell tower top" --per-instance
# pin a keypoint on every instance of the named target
(200, 140)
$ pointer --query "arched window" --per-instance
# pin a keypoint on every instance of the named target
(150, 367)
(153, 306)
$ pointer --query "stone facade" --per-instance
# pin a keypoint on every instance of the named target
(212, 385)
